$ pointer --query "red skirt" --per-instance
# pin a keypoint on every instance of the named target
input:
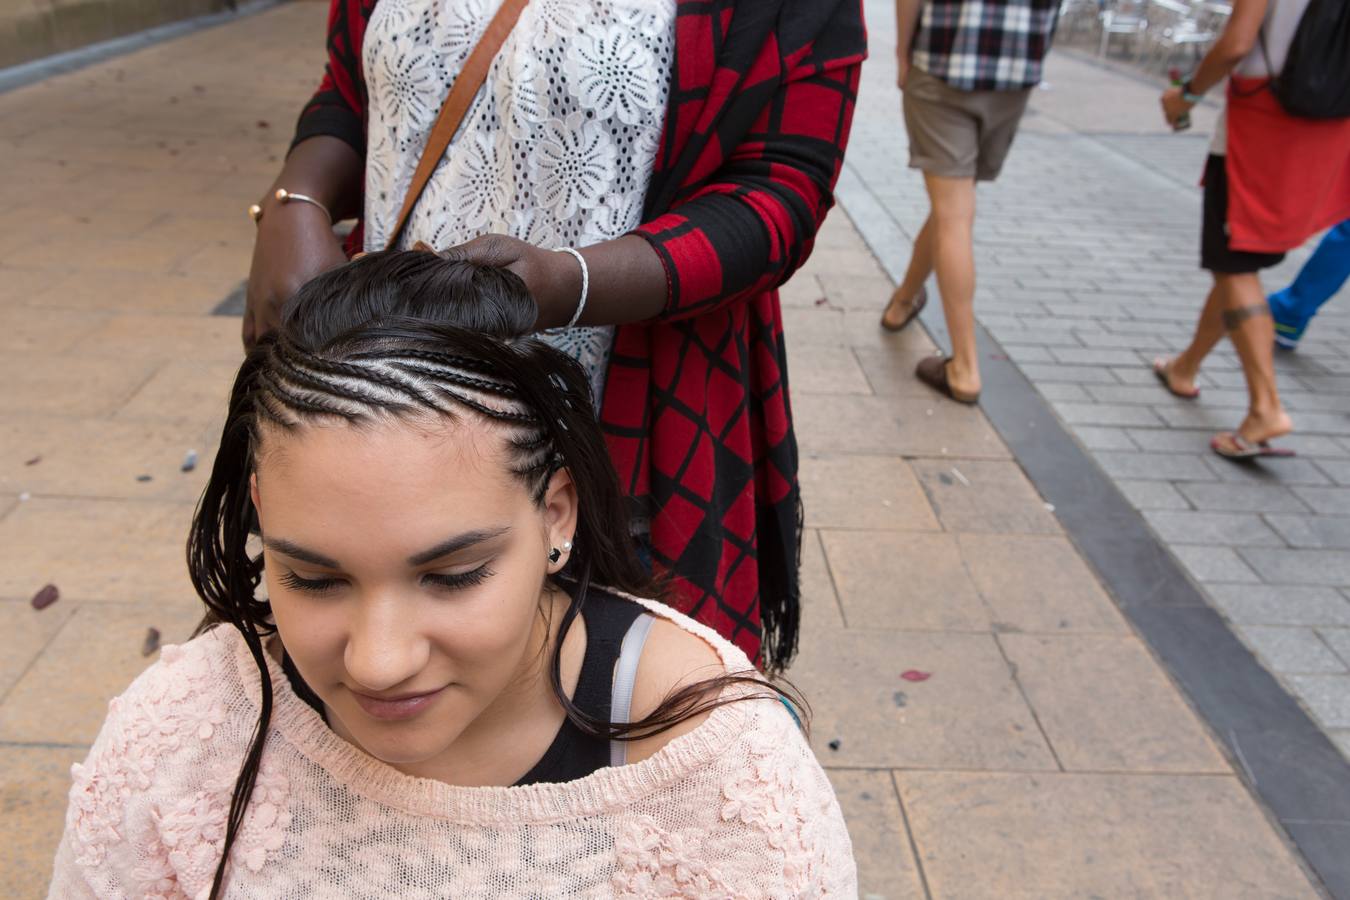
(1288, 177)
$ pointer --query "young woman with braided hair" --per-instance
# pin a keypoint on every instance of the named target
(451, 684)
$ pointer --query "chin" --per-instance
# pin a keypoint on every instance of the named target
(401, 744)
(402, 755)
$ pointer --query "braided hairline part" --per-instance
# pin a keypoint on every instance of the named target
(307, 364)
(295, 384)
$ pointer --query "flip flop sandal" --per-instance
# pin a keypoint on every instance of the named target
(1160, 370)
(1231, 445)
(932, 371)
(915, 307)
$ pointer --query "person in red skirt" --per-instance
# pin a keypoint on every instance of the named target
(1272, 180)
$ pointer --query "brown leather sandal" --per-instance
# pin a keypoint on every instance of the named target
(932, 371)
(915, 307)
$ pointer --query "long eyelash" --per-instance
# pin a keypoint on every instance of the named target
(463, 579)
(312, 585)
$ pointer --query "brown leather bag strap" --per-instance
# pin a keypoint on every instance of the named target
(457, 104)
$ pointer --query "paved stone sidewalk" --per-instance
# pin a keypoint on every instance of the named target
(1087, 251)
(993, 726)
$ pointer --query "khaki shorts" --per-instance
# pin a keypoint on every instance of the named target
(959, 134)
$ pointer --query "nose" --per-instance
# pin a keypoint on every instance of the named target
(385, 645)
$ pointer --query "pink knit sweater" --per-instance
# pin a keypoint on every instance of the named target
(738, 807)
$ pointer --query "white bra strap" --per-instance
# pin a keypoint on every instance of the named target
(625, 675)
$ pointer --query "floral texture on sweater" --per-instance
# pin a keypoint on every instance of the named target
(739, 807)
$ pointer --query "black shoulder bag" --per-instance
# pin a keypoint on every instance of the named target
(1315, 80)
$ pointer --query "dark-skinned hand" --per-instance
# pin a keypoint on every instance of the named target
(295, 243)
(554, 279)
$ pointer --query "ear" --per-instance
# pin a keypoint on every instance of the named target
(253, 495)
(560, 516)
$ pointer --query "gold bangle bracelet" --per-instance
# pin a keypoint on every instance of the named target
(255, 212)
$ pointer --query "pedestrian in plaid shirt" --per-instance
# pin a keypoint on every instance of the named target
(967, 68)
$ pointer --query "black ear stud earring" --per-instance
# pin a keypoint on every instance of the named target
(555, 554)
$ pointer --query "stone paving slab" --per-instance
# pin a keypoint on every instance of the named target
(988, 834)
(102, 458)
(23, 636)
(63, 696)
(1214, 564)
(877, 827)
(880, 720)
(43, 330)
(34, 781)
(955, 647)
(1298, 651)
(1039, 584)
(974, 495)
(96, 549)
(916, 582)
(820, 600)
(71, 386)
(1137, 723)
(1338, 639)
(1102, 199)
(191, 393)
(872, 492)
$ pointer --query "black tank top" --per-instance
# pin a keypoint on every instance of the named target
(573, 753)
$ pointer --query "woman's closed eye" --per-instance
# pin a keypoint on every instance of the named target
(440, 580)
(309, 585)
(459, 580)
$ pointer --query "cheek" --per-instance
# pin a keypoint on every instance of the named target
(314, 637)
(484, 635)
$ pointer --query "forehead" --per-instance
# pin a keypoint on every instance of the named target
(385, 467)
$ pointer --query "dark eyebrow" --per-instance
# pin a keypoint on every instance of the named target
(295, 551)
(458, 542)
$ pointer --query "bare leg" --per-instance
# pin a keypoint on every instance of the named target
(1183, 368)
(920, 267)
(1252, 330)
(953, 222)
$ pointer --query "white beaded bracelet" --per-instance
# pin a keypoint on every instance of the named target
(585, 283)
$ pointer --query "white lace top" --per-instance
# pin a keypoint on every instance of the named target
(557, 149)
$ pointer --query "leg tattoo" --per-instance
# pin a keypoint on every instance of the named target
(1233, 318)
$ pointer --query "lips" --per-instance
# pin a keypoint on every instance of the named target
(394, 709)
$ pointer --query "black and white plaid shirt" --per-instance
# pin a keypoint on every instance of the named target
(985, 45)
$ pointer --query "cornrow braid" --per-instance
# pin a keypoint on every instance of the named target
(340, 389)
(267, 409)
(271, 388)
(537, 441)
(302, 360)
(503, 415)
(451, 373)
(451, 360)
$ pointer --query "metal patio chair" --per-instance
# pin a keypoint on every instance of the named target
(1123, 18)
(1176, 27)
(1077, 18)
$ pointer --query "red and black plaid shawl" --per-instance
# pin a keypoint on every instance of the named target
(696, 408)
